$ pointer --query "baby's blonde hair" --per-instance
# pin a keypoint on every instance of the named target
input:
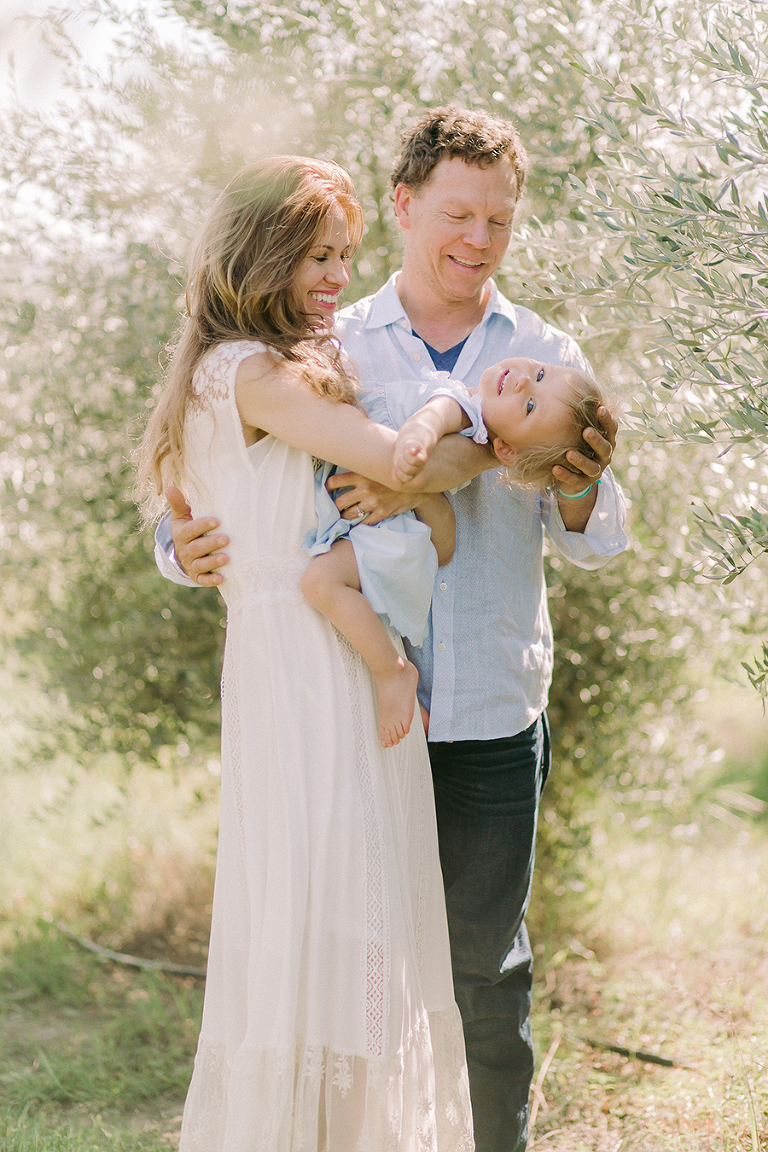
(532, 467)
(241, 287)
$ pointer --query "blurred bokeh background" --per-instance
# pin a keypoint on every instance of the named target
(643, 233)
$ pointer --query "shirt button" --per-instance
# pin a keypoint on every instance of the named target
(441, 647)
(417, 355)
(443, 586)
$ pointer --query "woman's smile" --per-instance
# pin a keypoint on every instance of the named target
(324, 272)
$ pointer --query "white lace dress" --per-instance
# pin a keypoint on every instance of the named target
(329, 1022)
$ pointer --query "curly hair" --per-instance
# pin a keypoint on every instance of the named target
(448, 133)
(241, 287)
(532, 467)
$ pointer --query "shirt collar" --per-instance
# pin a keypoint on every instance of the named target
(387, 308)
(498, 305)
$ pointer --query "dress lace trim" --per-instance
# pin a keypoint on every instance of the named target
(377, 967)
(213, 379)
(266, 581)
(310, 1097)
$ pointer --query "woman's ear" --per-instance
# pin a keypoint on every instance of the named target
(503, 452)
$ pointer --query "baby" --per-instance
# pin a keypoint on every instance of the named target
(362, 575)
(533, 413)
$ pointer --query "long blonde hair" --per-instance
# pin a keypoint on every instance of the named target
(241, 287)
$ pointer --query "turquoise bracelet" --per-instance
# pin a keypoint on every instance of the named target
(578, 495)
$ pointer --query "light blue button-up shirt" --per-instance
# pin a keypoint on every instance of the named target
(485, 664)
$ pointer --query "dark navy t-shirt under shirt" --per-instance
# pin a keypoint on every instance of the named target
(444, 361)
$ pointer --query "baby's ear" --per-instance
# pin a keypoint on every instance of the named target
(503, 452)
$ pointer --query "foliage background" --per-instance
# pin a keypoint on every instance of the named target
(643, 233)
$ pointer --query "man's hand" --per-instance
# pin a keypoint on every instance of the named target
(366, 497)
(587, 470)
(576, 513)
(196, 551)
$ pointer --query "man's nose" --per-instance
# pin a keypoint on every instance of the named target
(478, 234)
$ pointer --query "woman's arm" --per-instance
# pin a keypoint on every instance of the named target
(271, 398)
(435, 511)
(454, 461)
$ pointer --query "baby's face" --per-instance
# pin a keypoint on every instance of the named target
(524, 403)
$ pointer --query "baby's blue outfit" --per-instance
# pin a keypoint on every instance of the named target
(396, 559)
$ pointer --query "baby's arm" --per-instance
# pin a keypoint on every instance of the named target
(421, 432)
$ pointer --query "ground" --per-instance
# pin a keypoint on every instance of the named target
(96, 1056)
(667, 957)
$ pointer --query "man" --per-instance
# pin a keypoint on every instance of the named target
(485, 666)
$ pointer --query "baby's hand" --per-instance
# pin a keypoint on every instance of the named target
(421, 432)
(410, 456)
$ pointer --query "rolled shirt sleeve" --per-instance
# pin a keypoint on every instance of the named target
(165, 555)
(604, 535)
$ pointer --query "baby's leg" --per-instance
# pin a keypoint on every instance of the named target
(331, 584)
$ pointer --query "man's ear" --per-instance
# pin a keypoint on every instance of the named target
(402, 205)
(503, 452)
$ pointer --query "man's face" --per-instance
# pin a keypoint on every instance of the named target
(458, 226)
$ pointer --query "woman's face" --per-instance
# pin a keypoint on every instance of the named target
(324, 272)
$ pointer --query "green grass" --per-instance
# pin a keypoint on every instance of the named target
(94, 1135)
(707, 1012)
(670, 955)
(96, 1056)
(83, 1039)
(673, 963)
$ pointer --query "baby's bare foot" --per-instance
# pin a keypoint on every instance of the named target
(397, 701)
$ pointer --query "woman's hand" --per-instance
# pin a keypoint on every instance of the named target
(364, 498)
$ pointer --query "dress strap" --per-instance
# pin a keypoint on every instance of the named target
(214, 377)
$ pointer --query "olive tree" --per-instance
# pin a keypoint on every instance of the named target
(114, 185)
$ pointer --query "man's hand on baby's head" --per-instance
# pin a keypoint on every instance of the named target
(583, 469)
(610, 429)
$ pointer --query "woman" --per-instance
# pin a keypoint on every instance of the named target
(329, 1020)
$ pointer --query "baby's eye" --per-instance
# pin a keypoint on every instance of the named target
(530, 405)
(540, 375)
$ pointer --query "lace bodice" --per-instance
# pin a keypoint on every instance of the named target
(262, 493)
